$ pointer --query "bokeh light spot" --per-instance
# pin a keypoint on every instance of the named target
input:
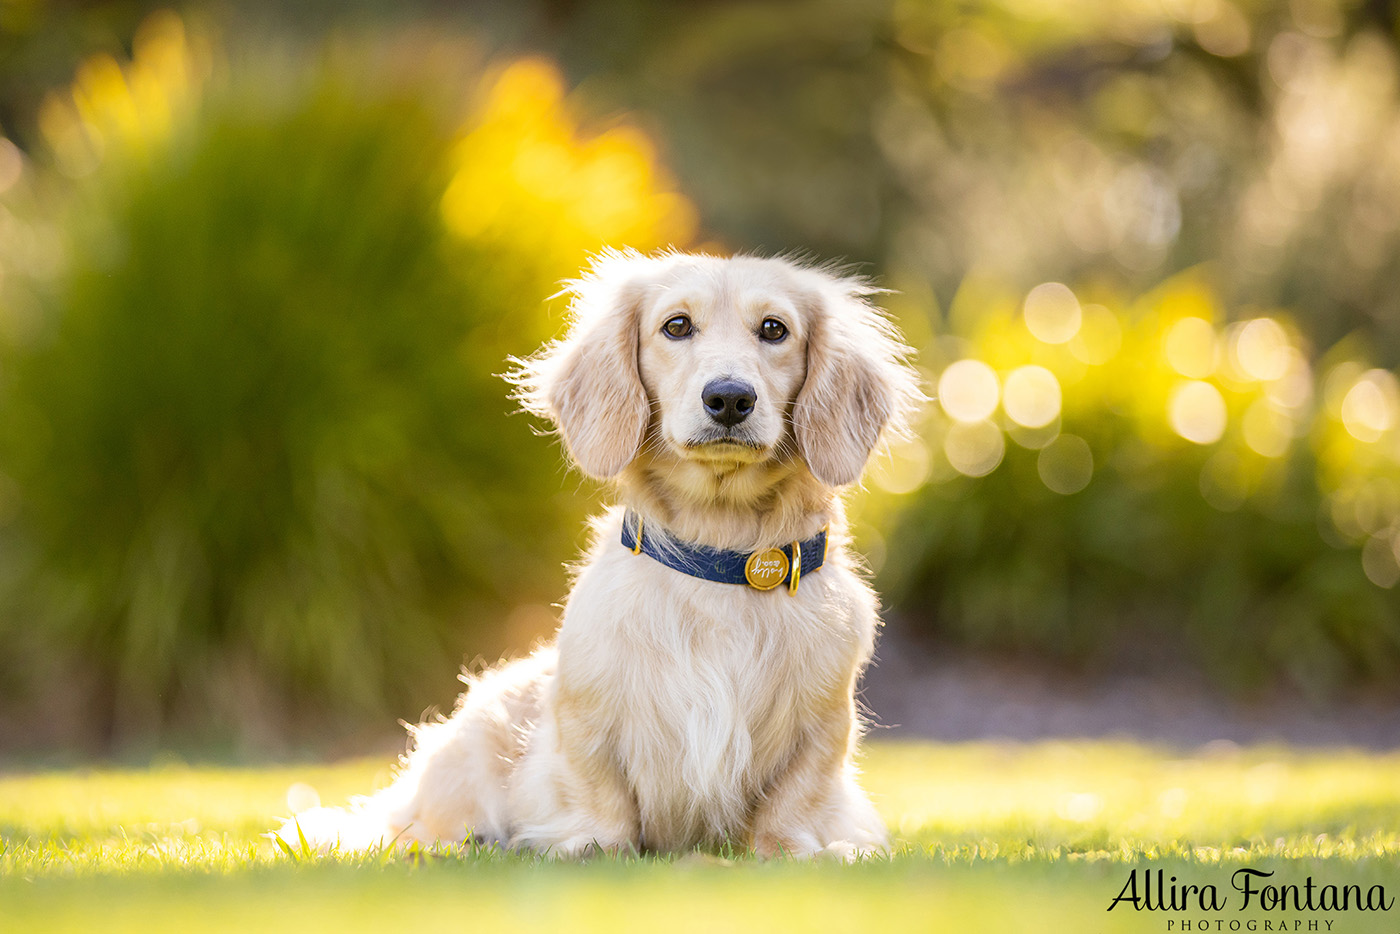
(302, 797)
(1196, 411)
(968, 391)
(971, 58)
(1368, 409)
(1294, 388)
(1033, 439)
(974, 449)
(1052, 313)
(1066, 465)
(1267, 431)
(1338, 383)
(1191, 347)
(1341, 511)
(1224, 31)
(905, 468)
(1079, 807)
(1261, 348)
(1100, 336)
(1378, 505)
(1378, 561)
(1032, 396)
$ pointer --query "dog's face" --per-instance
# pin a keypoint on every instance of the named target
(722, 364)
(727, 364)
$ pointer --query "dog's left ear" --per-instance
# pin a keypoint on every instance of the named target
(858, 386)
(588, 384)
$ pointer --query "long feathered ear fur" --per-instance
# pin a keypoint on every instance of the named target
(858, 387)
(587, 384)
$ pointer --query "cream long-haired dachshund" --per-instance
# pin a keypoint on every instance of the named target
(701, 689)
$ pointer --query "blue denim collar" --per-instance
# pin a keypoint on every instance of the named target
(763, 570)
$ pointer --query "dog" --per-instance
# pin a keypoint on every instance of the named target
(700, 691)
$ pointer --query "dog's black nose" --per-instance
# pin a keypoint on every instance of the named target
(729, 401)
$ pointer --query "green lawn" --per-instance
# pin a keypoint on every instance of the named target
(990, 838)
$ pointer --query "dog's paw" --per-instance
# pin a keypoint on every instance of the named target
(848, 852)
(808, 846)
(800, 845)
(577, 847)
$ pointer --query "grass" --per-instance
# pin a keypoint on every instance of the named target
(990, 837)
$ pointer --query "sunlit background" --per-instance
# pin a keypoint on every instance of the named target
(260, 484)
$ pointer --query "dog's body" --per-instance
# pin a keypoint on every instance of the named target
(727, 399)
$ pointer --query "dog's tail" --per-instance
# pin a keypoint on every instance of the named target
(453, 785)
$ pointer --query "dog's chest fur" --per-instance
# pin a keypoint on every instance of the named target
(706, 690)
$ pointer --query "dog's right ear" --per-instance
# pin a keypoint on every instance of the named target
(588, 384)
(859, 385)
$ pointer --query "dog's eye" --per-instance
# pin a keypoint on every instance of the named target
(772, 330)
(678, 327)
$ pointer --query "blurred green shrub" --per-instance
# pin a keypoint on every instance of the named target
(259, 464)
(1144, 478)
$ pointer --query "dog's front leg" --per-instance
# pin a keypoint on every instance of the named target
(815, 806)
(569, 798)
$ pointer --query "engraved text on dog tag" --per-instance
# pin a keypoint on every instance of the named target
(766, 569)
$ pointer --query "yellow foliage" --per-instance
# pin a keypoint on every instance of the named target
(522, 170)
(525, 171)
(1232, 394)
(129, 109)
(1169, 363)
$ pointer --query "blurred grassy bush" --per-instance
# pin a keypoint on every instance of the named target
(1114, 477)
(255, 458)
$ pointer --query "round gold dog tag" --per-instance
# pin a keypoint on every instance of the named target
(766, 569)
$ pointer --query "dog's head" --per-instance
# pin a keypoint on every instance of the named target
(722, 364)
